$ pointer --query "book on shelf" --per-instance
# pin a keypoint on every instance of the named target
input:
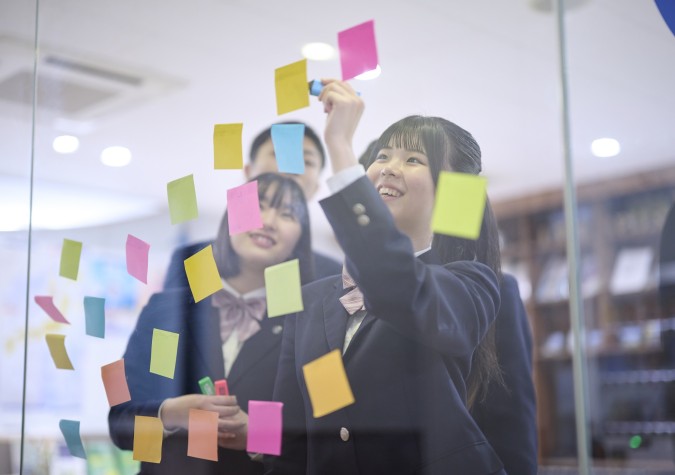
(553, 284)
(633, 270)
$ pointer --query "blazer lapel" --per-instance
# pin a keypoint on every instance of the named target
(335, 317)
(257, 347)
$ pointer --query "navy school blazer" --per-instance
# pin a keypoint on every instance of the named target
(407, 368)
(199, 354)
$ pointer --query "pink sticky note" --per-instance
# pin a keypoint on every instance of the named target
(115, 383)
(264, 427)
(137, 258)
(358, 51)
(203, 434)
(46, 303)
(243, 208)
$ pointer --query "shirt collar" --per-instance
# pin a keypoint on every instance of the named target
(256, 293)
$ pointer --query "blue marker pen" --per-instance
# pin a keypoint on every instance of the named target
(315, 88)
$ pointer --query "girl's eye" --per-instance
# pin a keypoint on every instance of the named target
(381, 157)
(415, 160)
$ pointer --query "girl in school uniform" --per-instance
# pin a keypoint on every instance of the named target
(428, 304)
(226, 335)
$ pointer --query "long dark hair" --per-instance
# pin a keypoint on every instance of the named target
(451, 148)
(284, 189)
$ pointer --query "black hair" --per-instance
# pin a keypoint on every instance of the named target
(283, 188)
(266, 135)
(451, 148)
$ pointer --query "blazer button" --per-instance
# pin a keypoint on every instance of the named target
(344, 434)
(358, 209)
(276, 329)
(363, 220)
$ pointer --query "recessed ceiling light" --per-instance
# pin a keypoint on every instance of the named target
(605, 147)
(65, 144)
(116, 156)
(368, 75)
(318, 51)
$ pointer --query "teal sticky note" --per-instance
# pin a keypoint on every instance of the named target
(94, 315)
(288, 141)
(71, 432)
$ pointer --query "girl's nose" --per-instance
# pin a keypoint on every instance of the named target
(392, 168)
(268, 217)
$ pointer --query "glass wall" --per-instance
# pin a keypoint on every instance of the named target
(155, 77)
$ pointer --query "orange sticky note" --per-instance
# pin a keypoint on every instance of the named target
(115, 383)
(202, 274)
(148, 436)
(203, 434)
(290, 83)
(227, 154)
(327, 384)
(460, 203)
(57, 348)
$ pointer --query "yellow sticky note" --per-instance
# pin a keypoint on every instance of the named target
(202, 274)
(182, 199)
(327, 384)
(57, 348)
(292, 88)
(460, 203)
(282, 285)
(70, 259)
(227, 154)
(164, 350)
(148, 436)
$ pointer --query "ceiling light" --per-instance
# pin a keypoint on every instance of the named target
(318, 51)
(605, 147)
(65, 144)
(116, 156)
(368, 75)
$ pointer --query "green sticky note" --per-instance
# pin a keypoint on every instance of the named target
(292, 90)
(460, 203)
(227, 153)
(182, 199)
(282, 284)
(207, 387)
(70, 259)
(164, 350)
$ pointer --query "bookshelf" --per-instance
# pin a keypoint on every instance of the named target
(630, 347)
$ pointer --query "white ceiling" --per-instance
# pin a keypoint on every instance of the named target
(489, 65)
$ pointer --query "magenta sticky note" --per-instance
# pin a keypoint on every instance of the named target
(264, 427)
(358, 51)
(243, 208)
(137, 258)
(46, 303)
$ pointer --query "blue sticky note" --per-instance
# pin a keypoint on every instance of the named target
(71, 432)
(667, 9)
(94, 314)
(288, 141)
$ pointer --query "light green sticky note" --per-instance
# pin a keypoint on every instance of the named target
(182, 199)
(282, 284)
(460, 203)
(227, 153)
(70, 259)
(164, 350)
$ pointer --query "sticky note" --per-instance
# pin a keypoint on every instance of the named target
(137, 258)
(207, 387)
(148, 436)
(264, 427)
(227, 154)
(667, 10)
(460, 203)
(327, 384)
(283, 288)
(288, 141)
(203, 434)
(115, 383)
(70, 259)
(290, 83)
(57, 348)
(358, 51)
(71, 432)
(202, 274)
(94, 315)
(182, 199)
(46, 303)
(164, 350)
(243, 208)
(221, 387)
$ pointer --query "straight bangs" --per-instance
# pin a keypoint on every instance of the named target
(285, 195)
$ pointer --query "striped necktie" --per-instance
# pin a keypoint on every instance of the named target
(352, 300)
